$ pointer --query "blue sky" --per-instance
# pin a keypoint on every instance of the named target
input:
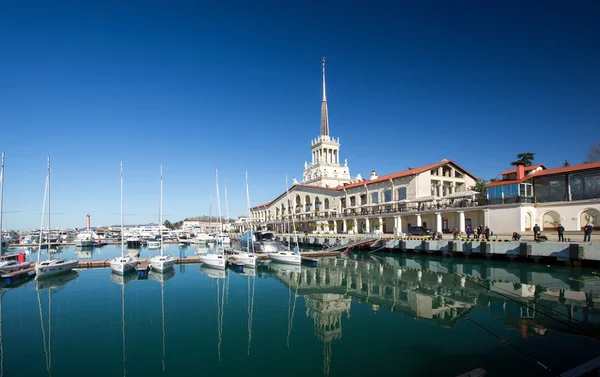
(235, 85)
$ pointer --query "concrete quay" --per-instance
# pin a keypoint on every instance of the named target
(536, 251)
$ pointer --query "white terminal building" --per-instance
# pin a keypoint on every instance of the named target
(437, 196)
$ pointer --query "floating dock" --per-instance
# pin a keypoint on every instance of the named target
(142, 269)
(11, 277)
(239, 266)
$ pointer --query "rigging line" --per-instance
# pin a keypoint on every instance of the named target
(540, 312)
(43, 330)
(251, 312)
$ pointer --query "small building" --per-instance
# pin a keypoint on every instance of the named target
(529, 195)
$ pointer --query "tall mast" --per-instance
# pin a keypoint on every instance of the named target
(218, 208)
(49, 227)
(287, 190)
(160, 217)
(249, 214)
(122, 223)
(1, 196)
(324, 113)
(43, 208)
(226, 205)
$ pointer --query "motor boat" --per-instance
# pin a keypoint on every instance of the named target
(52, 267)
(260, 242)
(153, 244)
(84, 239)
(12, 265)
(248, 259)
(287, 257)
(134, 242)
(222, 239)
(214, 261)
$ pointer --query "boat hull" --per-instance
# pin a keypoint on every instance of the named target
(248, 260)
(84, 243)
(213, 261)
(14, 267)
(51, 270)
(121, 268)
(286, 258)
(160, 264)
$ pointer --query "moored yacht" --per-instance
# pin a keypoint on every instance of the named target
(161, 262)
(7, 266)
(260, 241)
(51, 266)
(84, 239)
(125, 263)
(216, 259)
(246, 256)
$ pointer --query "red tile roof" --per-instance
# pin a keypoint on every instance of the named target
(261, 205)
(553, 171)
(405, 173)
(568, 169)
(506, 182)
(527, 168)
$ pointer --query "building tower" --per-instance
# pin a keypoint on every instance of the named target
(325, 169)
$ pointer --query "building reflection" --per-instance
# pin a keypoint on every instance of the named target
(529, 300)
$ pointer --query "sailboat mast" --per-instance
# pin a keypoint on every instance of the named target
(1, 197)
(160, 216)
(287, 190)
(249, 216)
(49, 227)
(122, 225)
(43, 209)
(218, 207)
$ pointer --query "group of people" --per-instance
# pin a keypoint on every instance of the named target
(479, 232)
(587, 233)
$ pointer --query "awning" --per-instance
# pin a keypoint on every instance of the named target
(426, 199)
(462, 194)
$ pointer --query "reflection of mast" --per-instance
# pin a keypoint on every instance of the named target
(293, 308)
(220, 309)
(123, 324)
(251, 282)
(47, 349)
(162, 302)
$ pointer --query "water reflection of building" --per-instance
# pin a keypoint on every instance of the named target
(554, 303)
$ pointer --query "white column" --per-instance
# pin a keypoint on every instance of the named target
(438, 222)
(355, 226)
(344, 226)
(486, 217)
(334, 226)
(367, 225)
(380, 224)
(461, 221)
(398, 221)
(313, 157)
(419, 223)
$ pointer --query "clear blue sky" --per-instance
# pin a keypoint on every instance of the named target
(235, 85)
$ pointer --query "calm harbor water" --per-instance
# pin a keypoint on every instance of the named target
(385, 315)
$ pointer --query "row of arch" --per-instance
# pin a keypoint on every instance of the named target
(550, 220)
(303, 205)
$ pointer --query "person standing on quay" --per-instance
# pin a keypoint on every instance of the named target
(536, 230)
(561, 233)
(587, 233)
(487, 233)
(468, 231)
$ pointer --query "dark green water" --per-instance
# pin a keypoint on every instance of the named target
(377, 317)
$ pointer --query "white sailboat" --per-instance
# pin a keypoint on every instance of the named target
(288, 256)
(124, 263)
(216, 259)
(247, 257)
(50, 266)
(161, 262)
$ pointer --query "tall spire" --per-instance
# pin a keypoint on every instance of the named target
(324, 115)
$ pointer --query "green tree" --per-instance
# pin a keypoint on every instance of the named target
(479, 185)
(566, 163)
(168, 224)
(525, 159)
